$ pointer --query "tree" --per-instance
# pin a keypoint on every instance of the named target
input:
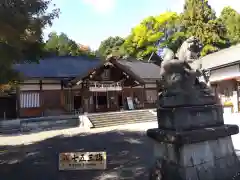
(62, 45)
(111, 45)
(231, 19)
(144, 38)
(51, 45)
(21, 24)
(199, 20)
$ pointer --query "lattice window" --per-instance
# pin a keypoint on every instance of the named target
(29, 100)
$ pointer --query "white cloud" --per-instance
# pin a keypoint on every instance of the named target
(101, 6)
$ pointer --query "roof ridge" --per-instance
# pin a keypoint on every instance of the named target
(85, 57)
(222, 50)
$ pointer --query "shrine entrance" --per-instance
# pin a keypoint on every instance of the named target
(106, 97)
(100, 101)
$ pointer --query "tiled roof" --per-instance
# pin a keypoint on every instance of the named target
(222, 57)
(144, 70)
(58, 67)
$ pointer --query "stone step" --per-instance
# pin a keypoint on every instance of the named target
(9, 130)
(104, 119)
(125, 120)
(100, 125)
(120, 118)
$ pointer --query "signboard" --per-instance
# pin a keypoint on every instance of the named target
(82, 160)
(130, 103)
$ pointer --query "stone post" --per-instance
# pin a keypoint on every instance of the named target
(193, 143)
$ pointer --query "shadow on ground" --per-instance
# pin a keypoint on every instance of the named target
(129, 156)
(35, 126)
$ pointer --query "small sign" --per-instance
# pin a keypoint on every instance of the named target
(82, 161)
(130, 103)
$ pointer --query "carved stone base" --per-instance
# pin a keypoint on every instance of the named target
(189, 117)
(198, 159)
(180, 99)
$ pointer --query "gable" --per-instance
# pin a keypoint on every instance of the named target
(141, 70)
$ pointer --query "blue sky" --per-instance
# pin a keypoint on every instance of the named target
(89, 22)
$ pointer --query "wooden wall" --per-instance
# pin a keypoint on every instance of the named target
(142, 93)
(37, 96)
(51, 95)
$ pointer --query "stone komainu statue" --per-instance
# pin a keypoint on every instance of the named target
(190, 121)
(179, 80)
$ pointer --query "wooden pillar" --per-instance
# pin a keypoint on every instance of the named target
(41, 97)
(96, 99)
(62, 97)
(122, 92)
(238, 92)
(235, 96)
(143, 96)
(131, 94)
(18, 101)
(71, 99)
(107, 98)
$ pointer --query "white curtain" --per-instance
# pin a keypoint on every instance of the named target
(29, 100)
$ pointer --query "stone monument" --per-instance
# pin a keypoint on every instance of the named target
(191, 141)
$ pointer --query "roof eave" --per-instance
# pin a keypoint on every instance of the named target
(224, 65)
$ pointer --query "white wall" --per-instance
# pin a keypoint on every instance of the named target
(56, 84)
(33, 85)
(226, 87)
(29, 87)
(51, 87)
(225, 73)
(51, 81)
(150, 85)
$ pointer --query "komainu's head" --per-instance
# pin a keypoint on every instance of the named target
(190, 49)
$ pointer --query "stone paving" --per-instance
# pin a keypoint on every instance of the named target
(130, 152)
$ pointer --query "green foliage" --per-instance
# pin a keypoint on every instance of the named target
(62, 45)
(199, 20)
(111, 45)
(174, 41)
(144, 37)
(21, 33)
(231, 19)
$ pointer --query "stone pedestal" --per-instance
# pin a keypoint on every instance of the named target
(192, 143)
(189, 118)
